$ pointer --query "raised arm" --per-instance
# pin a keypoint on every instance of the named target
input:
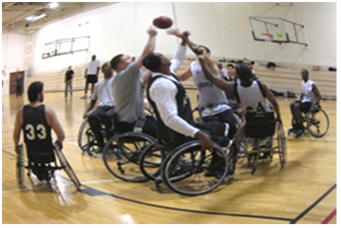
(183, 76)
(150, 46)
(269, 95)
(180, 53)
(217, 81)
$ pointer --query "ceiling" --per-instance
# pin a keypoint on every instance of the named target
(14, 13)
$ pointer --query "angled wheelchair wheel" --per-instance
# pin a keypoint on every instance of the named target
(282, 145)
(317, 123)
(66, 166)
(86, 138)
(192, 171)
(151, 161)
(123, 161)
(20, 165)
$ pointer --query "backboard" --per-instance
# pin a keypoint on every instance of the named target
(65, 46)
(277, 30)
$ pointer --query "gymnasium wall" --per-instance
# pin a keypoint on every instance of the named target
(13, 56)
(223, 27)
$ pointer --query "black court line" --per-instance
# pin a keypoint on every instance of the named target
(7, 152)
(313, 205)
(94, 192)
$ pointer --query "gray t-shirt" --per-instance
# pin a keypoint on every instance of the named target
(128, 94)
(103, 92)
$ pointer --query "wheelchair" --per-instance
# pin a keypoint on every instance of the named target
(187, 169)
(256, 138)
(316, 123)
(86, 138)
(44, 167)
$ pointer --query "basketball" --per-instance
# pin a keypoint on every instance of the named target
(162, 22)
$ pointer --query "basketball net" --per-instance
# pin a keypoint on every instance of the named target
(267, 37)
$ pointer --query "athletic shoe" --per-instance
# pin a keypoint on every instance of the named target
(84, 96)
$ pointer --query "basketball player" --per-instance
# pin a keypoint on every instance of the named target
(36, 121)
(310, 98)
(250, 94)
(171, 104)
(91, 75)
(213, 103)
(105, 108)
(127, 86)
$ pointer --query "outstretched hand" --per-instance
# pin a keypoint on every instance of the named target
(177, 33)
(196, 49)
(152, 31)
(173, 31)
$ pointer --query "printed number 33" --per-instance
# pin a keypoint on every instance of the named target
(31, 133)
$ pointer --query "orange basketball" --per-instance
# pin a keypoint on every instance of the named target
(162, 22)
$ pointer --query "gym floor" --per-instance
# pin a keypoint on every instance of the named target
(304, 192)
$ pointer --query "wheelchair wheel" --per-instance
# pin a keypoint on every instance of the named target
(20, 165)
(67, 168)
(282, 145)
(123, 161)
(192, 171)
(86, 138)
(151, 161)
(317, 123)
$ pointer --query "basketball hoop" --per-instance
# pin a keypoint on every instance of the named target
(267, 37)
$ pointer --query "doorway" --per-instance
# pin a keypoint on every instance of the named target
(13, 82)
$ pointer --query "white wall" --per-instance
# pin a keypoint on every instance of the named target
(223, 27)
(13, 56)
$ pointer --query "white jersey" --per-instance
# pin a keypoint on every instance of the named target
(251, 98)
(212, 100)
(308, 94)
(93, 66)
(103, 92)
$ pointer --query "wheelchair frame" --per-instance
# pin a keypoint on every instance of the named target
(310, 123)
(155, 161)
(63, 164)
(257, 149)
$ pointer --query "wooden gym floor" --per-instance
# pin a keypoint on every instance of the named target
(304, 192)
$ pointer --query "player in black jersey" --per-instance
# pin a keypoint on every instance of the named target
(36, 121)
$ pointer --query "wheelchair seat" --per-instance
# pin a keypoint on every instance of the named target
(43, 165)
(260, 125)
(259, 132)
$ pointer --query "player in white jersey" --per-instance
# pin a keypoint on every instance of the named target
(213, 103)
(310, 98)
(251, 94)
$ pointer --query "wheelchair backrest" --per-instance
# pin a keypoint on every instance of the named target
(260, 125)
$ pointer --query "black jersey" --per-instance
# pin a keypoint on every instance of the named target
(37, 134)
(166, 135)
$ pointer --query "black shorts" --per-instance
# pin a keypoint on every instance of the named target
(304, 106)
(225, 116)
(91, 79)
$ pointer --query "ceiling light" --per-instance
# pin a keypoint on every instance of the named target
(39, 17)
(54, 5)
(30, 18)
